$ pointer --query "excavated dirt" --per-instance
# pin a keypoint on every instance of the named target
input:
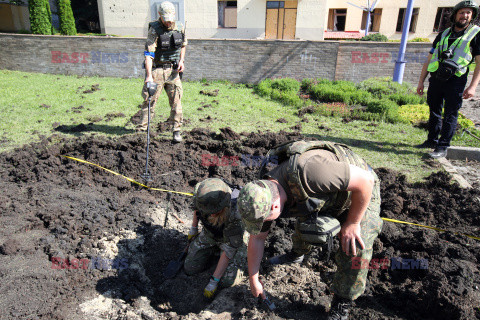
(56, 209)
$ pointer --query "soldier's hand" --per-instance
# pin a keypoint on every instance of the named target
(192, 233)
(211, 288)
(350, 233)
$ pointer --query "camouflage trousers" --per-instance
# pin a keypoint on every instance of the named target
(170, 80)
(204, 247)
(350, 282)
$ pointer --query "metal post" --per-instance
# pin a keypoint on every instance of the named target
(367, 24)
(146, 175)
(400, 62)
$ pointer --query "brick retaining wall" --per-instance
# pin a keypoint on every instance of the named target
(247, 61)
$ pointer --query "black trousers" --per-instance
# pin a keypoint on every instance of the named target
(446, 96)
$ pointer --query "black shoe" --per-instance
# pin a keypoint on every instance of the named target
(286, 258)
(427, 144)
(340, 308)
(439, 153)
(176, 136)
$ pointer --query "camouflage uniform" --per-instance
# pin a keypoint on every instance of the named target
(228, 237)
(163, 73)
(349, 283)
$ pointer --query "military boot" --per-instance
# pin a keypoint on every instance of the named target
(176, 136)
(340, 308)
(287, 258)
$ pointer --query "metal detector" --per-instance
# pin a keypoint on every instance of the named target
(151, 88)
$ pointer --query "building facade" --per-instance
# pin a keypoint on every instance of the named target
(289, 19)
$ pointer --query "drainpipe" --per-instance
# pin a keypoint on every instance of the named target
(400, 62)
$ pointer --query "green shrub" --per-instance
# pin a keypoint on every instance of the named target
(414, 113)
(402, 99)
(420, 40)
(386, 108)
(40, 17)
(383, 87)
(375, 37)
(67, 21)
(286, 84)
(264, 88)
(307, 84)
(343, 85)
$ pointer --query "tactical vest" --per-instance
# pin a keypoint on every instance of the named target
(327, 204)
(462, 55)
(169, 42)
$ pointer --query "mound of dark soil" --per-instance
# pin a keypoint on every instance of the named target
(55, 212)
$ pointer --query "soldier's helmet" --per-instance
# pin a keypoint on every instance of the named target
(167, 11)
(465, 4)
(254, 205)
(211, 195)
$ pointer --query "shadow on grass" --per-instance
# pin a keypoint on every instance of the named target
(78, 130)
(378, 146)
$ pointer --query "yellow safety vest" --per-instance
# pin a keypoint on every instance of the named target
(461, 51)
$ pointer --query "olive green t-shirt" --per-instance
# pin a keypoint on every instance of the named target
(320, 172)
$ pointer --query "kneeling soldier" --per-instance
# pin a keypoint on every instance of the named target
(222, 232)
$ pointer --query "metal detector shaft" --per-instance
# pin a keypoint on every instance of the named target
(146, 176)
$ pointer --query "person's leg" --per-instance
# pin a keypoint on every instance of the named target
(435, 96)
(174, 90)
(453, 103)
(350, 279)
(199, 253)
(235, 270)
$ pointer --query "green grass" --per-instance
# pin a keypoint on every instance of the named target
(237, 106)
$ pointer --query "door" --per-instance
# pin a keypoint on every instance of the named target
(281, 19)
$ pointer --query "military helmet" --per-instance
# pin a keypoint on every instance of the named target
(254, 204)
(465, 4)
(211, 195)
(167, 11)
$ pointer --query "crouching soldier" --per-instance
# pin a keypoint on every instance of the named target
(222, 233)
(330, 190)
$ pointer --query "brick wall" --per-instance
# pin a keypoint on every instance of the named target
(247, 61)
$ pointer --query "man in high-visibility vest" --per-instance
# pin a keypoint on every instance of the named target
(454, 53)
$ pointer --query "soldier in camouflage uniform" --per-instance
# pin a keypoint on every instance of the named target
(223, 232)
(164, 62)
(329, 189)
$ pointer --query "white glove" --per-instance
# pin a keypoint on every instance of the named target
(211, 288)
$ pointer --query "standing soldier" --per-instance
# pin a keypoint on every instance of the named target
(330, 190)
(455, 52)
(222, 233)
(164, 62)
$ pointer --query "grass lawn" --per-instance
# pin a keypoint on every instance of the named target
(33, 104)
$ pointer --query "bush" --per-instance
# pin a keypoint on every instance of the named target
(67, 21)
(420, 40)
(40, 17)
(375, 37)
(286, 84)
(386, 108)
(414, 113)
(402, 99)
(283, 90)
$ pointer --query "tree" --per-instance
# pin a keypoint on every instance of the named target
(67, 21)
(40, 17)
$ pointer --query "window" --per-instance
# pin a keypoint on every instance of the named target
(336, 19)
(227, 14)
(442, 20)
(375, 18)
(401, 18)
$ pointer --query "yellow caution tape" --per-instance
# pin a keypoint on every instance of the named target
(428, 227)
(126, 178)
(191, 195)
